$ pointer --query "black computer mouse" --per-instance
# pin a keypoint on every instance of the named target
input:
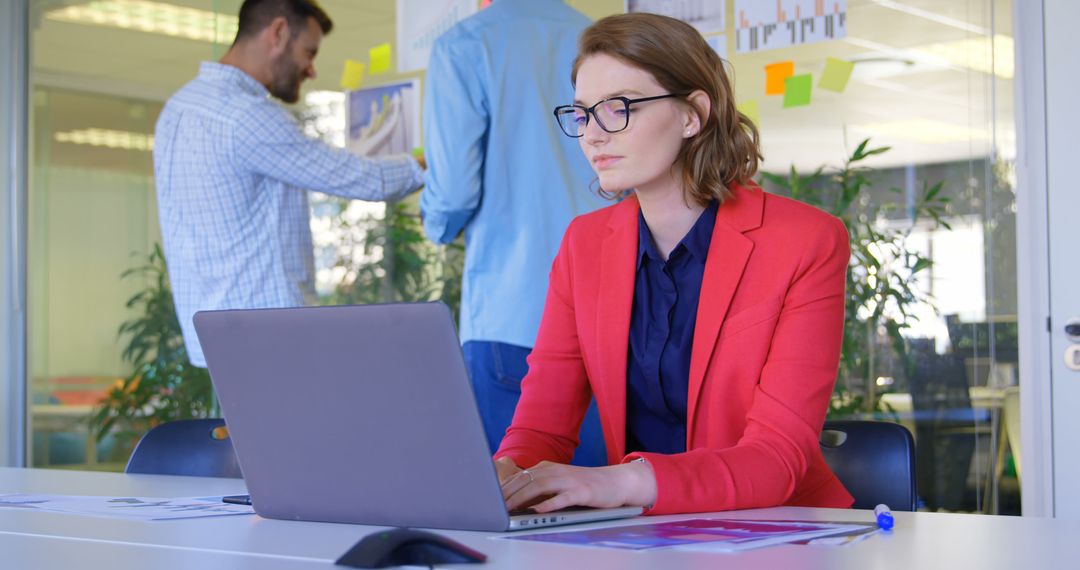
(407, 547)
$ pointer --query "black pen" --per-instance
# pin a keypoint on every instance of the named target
(237, 499)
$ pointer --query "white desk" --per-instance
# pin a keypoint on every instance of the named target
(46, 540)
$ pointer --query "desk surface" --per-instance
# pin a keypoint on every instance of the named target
(45, 540)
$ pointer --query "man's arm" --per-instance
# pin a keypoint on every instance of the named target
(270, 143)
(455, 124)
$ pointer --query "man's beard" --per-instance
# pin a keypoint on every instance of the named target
(287, 79)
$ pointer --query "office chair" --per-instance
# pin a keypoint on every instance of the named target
(199, 448)
(874, 460)
(947, 426)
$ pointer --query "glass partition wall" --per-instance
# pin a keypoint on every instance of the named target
(931, 330)
(100, 73)
(931, 339)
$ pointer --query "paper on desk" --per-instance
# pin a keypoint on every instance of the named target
(132, 508)
(844, 539)
(711, 535)
(747, 534)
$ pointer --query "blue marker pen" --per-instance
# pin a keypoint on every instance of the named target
(884, 517)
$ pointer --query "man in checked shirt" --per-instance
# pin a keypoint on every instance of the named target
(233, 170)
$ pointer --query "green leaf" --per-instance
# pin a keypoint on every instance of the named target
(890, 301)
(921, 264)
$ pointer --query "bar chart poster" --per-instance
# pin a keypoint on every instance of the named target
(384, 120)
(420, 23)
(705, 15)
(771, 24)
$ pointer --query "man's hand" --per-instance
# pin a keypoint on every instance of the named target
(418, 154)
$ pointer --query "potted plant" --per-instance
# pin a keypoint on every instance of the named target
(882, 274)
(163, 386)
(389, 259)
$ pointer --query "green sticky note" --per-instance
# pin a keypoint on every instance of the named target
(797, 90)
(836, 75)
(750, 109)
(380, 59)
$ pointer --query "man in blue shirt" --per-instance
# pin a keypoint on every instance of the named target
(500, 170)
(233, 170)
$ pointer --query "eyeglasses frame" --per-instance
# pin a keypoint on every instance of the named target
(592, 111)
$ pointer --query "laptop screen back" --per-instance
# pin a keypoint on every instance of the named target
(358, 414)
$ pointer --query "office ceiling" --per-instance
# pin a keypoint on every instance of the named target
(930, 108)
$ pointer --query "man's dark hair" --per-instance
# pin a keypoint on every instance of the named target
(255, 15)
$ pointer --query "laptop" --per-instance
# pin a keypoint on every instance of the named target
(360, 414)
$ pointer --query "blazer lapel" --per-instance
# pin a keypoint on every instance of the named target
(729, 251)
(615, 301)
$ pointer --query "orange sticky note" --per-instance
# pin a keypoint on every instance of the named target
(380, 59)
(353, 75)
(775, 74)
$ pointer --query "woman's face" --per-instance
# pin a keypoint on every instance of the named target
(642, 156)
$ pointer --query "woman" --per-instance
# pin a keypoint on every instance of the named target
(704, 314)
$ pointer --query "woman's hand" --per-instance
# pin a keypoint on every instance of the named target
(506, 469)
(558, 486)
(511, 477)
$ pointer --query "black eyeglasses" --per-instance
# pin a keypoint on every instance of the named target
(612, 115)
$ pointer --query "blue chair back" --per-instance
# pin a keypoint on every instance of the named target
(200, 448)
(874, 460)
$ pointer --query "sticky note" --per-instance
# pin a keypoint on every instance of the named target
(750, 109)
(380, 58)
(797, 90)
(775, 74)
(353, 74)
(836, 75)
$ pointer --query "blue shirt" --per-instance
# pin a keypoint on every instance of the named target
(230, 166)
(498, 165)
(661, 337)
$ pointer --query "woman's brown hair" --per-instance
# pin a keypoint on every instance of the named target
(726, 150)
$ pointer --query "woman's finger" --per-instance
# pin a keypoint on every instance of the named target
(556, 503)
(516, 482)
(506, 470)
(535, 491)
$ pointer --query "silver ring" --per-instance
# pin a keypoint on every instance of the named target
(530, 475)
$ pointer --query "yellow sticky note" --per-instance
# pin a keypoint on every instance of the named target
(353, 74)
(750, 109)
(775, 74)
(797, 90)
(836, 75)
(380, 58)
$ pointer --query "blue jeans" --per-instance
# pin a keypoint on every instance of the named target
(496, 370)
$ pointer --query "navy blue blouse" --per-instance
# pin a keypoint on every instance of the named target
(661, 336)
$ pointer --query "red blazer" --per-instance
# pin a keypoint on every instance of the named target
(764, 358)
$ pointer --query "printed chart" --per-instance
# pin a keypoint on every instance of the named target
(771, 24)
